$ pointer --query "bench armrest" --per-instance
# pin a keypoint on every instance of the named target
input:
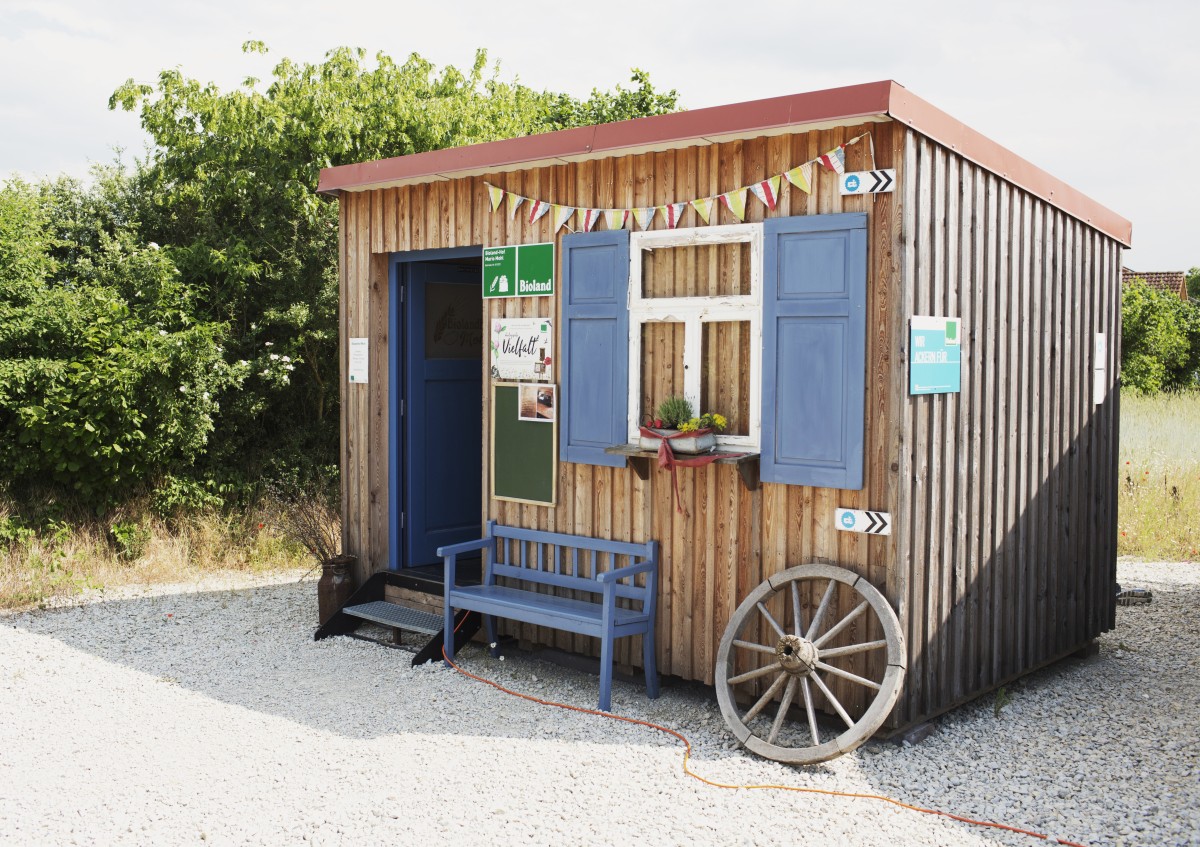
(463, 547)
(629, 570)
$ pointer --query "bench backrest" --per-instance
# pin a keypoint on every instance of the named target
(564, 561)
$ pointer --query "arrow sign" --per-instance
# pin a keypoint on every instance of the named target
(868, 182)
(872, 523)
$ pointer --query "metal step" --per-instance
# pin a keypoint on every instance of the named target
(401, 617)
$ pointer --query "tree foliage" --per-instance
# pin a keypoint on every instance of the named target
(1160, 339)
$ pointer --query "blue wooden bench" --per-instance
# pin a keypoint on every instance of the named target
(529, 559)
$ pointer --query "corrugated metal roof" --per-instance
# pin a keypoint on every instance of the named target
(856, 104)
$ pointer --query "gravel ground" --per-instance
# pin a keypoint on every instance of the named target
(205, 713)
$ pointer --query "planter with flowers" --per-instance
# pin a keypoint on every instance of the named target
(676, 422)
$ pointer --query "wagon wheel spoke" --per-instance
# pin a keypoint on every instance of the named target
(847, 675)
(815, 626)
(850, 649)
(833, 701)
(789, 694)
(755, 674)
(771, 620)
(812, 713)
(843, 623)
(757, 648)
(766, 698)
(798, 664)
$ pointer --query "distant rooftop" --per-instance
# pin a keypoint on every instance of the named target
(1173, 281)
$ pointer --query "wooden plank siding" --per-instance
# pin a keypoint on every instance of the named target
(986, 562)
(1005, 516)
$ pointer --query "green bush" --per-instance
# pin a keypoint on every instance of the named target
(1160, 340)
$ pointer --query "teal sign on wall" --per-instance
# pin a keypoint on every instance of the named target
(935, 360)
(518, 270)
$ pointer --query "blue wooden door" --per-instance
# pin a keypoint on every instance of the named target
(443, 415)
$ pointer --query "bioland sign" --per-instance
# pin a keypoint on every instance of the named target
(518, 270)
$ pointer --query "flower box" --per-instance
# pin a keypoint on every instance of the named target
(700, 441)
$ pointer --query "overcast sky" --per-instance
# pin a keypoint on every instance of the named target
(1103, 94)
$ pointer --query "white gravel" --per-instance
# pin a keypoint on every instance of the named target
(205, 713)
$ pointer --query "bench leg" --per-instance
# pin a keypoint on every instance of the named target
(448, 635)
(648, 663)
(606, 658)
(489, 621)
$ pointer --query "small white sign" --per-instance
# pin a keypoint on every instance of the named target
(1100, 370)
(522, 349)
(867, 182)
(358, 365)
(872, 523)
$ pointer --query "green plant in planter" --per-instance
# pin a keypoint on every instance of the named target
(672, 412)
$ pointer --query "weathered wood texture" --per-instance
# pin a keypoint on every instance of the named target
(996, 565)
(1006, 515)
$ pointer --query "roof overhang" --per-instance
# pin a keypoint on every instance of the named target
(849, 106)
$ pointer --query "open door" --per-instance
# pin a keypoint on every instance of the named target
(441, 408)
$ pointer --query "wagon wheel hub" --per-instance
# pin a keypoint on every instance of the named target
(797, 655)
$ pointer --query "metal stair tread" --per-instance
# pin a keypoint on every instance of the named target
(402, 617)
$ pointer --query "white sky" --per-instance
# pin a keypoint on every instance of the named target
(1101, 93)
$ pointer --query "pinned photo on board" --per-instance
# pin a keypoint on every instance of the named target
(536, 402)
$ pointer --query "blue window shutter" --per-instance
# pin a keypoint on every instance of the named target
(595, 347)
(814, 350)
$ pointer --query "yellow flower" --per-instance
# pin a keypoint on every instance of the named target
(688, 426)
(720, 421)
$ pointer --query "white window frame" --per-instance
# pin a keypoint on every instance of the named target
(693, 313)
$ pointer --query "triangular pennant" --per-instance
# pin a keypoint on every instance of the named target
(562, 214)
(645, 216)
(514, 201)
(767, 191)
(588, 218)
(616, 218)
(835, 159)
(495, 194)
(704, 207)
(735, 201)
(672, 213)
(537, 208)
(801, 177)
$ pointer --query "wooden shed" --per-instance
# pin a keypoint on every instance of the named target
(790, 311)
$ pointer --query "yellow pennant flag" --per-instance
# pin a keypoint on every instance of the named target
(495, 194)
(514, 201)
(645, 216)
(735, 201)
(704, 207)
(801, 177)
(562, 214)
(616, 218)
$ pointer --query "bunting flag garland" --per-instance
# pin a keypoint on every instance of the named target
(611, 218)
(767, 191)
(537, 208)
(801, 177)
(703, 207)
(644, 216)
(735, 201)
(835, 159)
(495, 194)
(562, 214)
(514, 202)
(671, 212)
(588, 218)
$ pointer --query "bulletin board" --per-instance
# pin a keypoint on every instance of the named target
(524, 455)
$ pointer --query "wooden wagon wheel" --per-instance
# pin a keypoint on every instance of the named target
(795, 655)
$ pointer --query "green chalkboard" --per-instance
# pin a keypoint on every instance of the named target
(523, 451)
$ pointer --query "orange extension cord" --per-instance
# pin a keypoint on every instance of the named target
(687, 755)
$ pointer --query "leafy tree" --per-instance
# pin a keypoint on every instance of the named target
(1193, 283)
(233, 176)
(1160, 339)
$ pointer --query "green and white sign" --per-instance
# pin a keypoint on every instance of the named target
(518, 270)
(935, 360)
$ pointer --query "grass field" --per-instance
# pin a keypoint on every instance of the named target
(1158, 490)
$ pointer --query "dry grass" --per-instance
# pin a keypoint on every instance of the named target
(61, 558)
(1159, 478)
